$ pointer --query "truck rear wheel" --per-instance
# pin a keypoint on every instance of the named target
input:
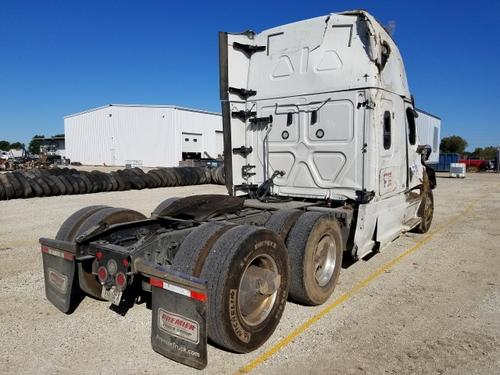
(425, 212)
(315, 251)
(282, 221)
(247, 274)
(194, 250)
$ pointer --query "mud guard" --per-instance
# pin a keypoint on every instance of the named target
(179, 322)
(59, 273)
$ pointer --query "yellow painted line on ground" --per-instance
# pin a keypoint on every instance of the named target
(349, 294)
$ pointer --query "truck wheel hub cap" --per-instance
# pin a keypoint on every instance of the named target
(324, 260)
(258, 289)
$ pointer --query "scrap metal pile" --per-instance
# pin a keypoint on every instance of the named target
(65, 181)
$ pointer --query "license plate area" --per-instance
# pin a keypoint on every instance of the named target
(112, 295)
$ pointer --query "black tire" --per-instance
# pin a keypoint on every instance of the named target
(69, 228)
(52, 182)
(40, 181)
(194, 249)
(161, 209)
(61, 188)
(165, 179)
(3, 195)
(91, 179)
(121, 185)
(109, 216)
(156, 178)
(9, 189)
(114, 182)
(101, 185)
(282, 221)
(68, 183)
(125, 178)
(179, 176)
(425, 212)
(16, 184)
(303, 241)
(173, 177)
(88, 185)
(224, 268)
(35, 186)
(149, 182)
(135, 182)
(27, 190)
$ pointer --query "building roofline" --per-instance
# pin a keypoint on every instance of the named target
(428, 114)
(144, 106)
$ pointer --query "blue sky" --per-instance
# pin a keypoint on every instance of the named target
(61, 57)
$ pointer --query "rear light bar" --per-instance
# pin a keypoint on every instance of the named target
(58, 253)
(177, 289)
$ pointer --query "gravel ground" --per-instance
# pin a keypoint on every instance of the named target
(438, 311)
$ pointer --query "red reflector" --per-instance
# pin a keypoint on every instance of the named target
(45, 249)
(120, 279)
(125, 262)
(199, 296)
(102, 274)
(98, 255)
(156, 282)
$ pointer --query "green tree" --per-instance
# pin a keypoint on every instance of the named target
(487, 153)
(34, 146)
(4, 145)
(16, 146)
(453, 143)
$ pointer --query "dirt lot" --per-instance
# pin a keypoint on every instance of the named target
(435, 309)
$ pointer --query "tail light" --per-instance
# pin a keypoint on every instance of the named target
(102, 274)
(121, 281)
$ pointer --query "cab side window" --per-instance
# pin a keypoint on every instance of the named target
(387, 130)
(412, 131)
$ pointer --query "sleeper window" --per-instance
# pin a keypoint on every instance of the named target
(412, 132)
(387, 130)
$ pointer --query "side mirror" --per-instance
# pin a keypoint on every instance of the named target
(425, 151)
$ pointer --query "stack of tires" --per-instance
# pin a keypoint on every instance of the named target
(218, 176)
(67, 181)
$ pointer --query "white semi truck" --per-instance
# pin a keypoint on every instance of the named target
(321, 160)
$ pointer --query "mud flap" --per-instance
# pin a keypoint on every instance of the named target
(59, 273)
(179, 327)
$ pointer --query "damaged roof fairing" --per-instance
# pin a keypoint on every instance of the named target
(310, 53)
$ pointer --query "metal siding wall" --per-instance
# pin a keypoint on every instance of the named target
(150, 134)
(425, 132)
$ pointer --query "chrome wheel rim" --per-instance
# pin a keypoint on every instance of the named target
(324, 260)
(258, 289)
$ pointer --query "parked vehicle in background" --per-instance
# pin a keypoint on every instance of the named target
(475, 163)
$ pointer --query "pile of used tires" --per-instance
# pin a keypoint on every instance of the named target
(65, 181)
(217, 175)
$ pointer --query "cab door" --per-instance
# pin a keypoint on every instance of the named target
(414, 164)
(391, 144)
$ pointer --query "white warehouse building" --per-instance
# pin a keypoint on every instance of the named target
(144, 135)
